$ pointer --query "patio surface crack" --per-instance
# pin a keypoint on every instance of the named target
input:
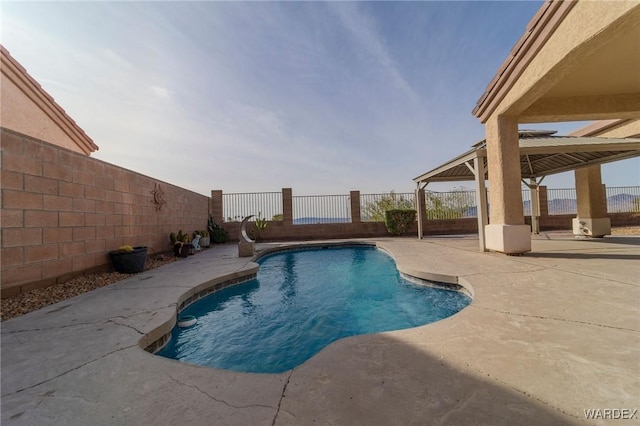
(498, 272)
(284, 390)
(554, 319)
(113, 321)
(525, 261)
(29, 330)
(67, 371)
(213, 398)
(80, 324)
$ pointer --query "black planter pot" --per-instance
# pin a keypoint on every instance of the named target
(183, 250)
(129, 262)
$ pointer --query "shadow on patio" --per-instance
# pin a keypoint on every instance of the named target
(383, 380)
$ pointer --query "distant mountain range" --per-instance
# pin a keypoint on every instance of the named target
(316, 220)
(615, 203)
(621, 203)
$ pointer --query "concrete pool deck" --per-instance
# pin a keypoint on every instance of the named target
(549, 335)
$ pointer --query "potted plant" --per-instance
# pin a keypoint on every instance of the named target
(129, 260)
(180, 244)
(205, 239)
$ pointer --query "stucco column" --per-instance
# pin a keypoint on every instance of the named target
(216, 206)
(481, 201)
(287, 207)
(421, 210)
(543, 200)
(354, 198)
(506, 232)
(592, 220)
(535, 206)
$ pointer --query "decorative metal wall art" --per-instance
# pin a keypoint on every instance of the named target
(158, 196)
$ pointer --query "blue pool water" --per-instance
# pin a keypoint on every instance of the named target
(302, 301)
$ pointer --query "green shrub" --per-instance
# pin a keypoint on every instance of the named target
(261, 224)
(398, 220)
(375, 211)
(218, 234)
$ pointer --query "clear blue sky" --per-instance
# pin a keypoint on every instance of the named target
(322, 97)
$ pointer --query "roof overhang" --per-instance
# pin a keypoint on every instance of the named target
(576, 61)
(19, 76)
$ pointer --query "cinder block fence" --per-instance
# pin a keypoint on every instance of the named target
(62, 212)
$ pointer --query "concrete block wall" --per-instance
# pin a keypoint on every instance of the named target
(564, 221)
(280, 231)
(62, 212)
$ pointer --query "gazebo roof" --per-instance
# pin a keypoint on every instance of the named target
(541, 154)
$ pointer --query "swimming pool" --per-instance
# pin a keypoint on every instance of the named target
(301, 301)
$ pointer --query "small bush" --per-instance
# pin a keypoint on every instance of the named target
(397, 221)
(219, 235)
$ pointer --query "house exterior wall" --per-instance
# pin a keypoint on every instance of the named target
(20, 113)
(580, 34)
(27, 108)
(62, 212)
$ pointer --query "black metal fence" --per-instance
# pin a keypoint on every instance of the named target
(562, 201)
(373, 206)
(623, 199)
(439, 205)
(236, 206)
(321, 209)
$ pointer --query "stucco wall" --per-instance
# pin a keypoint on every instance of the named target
(625, 129)
(20, 113)
(27, 108)
(62, 212)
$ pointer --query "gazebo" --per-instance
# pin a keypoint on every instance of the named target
(541, 154)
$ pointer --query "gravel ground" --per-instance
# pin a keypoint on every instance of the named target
(36, 299)
(39, 298)
(626, 230)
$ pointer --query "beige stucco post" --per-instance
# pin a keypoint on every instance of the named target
(287, 206)
(216, 207)
(535, 205)
(354, 198)
(481, 201)
(506, 232)
(421, 209)
(543, 201)
(592, 220)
